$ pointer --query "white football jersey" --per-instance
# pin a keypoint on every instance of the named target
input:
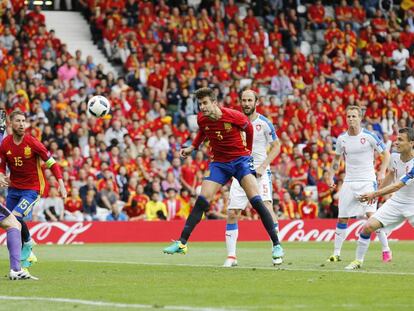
(403, 171)
(264, 134)
(358, 152)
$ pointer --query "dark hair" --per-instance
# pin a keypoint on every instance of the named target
(17, 113)
(205, 92)
(409, 131)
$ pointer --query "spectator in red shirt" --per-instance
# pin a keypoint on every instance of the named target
(73, 206)
(289, 207)
(316, 15)
(308, 209)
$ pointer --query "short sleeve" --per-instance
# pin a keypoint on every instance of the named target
(408, 178)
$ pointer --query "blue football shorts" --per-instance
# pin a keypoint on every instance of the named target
(221, 172)
(21, 202)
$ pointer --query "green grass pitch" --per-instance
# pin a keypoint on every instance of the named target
(140, 277)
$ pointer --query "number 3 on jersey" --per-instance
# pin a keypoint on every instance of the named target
(18, 161)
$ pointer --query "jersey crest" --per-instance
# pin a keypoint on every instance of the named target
(363, 140)
(258, 127)
(27, 152)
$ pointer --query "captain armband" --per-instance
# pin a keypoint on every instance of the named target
(50, 162)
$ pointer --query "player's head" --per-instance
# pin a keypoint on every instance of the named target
(353, 116)
(18, 122)
(249, 100)
(207, 100)
(405, 140)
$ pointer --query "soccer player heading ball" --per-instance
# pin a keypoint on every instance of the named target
(231, 138)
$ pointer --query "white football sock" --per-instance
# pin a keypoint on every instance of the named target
(362, 247)
(382, 237)
(340, 235)
(232, 232)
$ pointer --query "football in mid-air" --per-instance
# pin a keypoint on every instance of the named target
(99, 106)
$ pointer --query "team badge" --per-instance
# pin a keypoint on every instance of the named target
(227, 126)
(258, 127)
(363, 140)
(27, 152)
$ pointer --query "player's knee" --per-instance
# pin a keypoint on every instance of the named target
(369, 228)
(232, 216)
(203, 203)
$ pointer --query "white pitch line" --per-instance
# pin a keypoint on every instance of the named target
(279, 268)
(119, 305)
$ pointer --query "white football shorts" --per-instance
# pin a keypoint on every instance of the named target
(349, 205)
(238, 198)
(393, 213)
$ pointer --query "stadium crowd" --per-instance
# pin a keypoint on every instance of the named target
(307, 64)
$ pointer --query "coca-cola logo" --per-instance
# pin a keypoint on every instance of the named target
(295, 231)
(66, 234)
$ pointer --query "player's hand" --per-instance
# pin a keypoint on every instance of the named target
(260, 171)
(185, 152)
(63, 192)
(4, 181)
(367, 197)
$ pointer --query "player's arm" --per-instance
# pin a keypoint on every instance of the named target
(3, 178)
(200, 137)
(405, 180)
(389, 177)
(384, 164)
(243, 122)
(334, 168)
(45, 155)
(272, 154)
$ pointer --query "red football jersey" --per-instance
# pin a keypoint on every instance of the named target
(227, 142)
(23, 161)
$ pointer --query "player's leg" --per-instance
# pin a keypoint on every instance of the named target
(220, 173)
(232, 233)
(382, 237)
(26, 201)
(363, 243)
(388, 216)
(265, 189)
(370, 209)
(266, 192)
(14, 243)
(249, 184)
(237, 202)
(346, 200)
